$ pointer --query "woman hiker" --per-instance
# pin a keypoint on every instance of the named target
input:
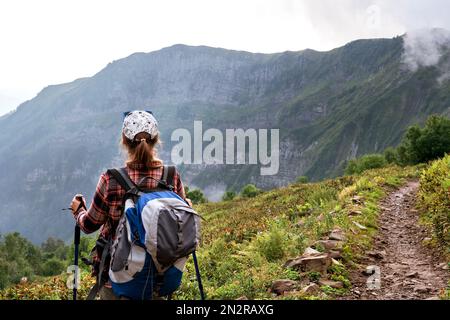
(140, 137)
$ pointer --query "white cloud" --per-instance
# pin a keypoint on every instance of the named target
(49, 41)
(425, 47)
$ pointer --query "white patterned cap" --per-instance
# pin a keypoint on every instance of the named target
(139, 121)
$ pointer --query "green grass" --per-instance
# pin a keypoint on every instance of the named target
(434, 202)
(247, 241)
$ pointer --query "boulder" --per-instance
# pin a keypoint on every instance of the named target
(318, 262)
(281, 286)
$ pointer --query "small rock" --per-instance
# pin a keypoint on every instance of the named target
(332, 284)
(357, 200)
(281, 286)
(242, 298)
(370, 270)
(310, 251)
(311, 289)
(335, 262)
(335, 254)
(23, 280)
(422, 289)
(443, 266)
(412, 274)
(300, 224)
(360, 226)
(376, 254)
(354, 213)
(337, 234)
(329, 244)
(433, 298)
(314, 262)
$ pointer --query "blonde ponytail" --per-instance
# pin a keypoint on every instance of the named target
(142, 150)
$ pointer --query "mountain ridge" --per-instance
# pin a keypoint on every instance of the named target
(329, 106)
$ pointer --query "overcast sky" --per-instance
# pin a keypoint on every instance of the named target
(54, 41)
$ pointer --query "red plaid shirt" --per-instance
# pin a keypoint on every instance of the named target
(106, 208)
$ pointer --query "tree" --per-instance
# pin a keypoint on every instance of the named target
(18, 258)
(421, 145)
(54, 247)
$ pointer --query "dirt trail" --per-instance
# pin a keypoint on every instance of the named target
(408, 269)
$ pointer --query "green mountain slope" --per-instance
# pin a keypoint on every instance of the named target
(329, 107)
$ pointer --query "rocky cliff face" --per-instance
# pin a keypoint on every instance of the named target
(329, 107)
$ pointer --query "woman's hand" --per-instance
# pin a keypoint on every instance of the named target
(75, 205)
(189, 202)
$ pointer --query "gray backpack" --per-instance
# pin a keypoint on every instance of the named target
(153, 240)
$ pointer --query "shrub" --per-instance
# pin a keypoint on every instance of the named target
(250, 191)
(369, 161)
(196, 195)
(271, 245)
(302, 179)
(53, 267)
(390, 155)
(435, 198)
(229, 195)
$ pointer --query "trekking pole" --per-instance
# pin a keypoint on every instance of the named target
(76, 242)
(197, 273)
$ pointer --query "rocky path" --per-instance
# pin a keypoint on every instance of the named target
(408, 270)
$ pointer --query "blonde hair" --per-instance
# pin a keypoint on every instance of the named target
(142, 150)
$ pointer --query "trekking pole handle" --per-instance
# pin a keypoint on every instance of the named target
(81, 205)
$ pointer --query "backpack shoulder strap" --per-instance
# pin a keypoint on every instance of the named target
(168, 175)
(122, 178)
